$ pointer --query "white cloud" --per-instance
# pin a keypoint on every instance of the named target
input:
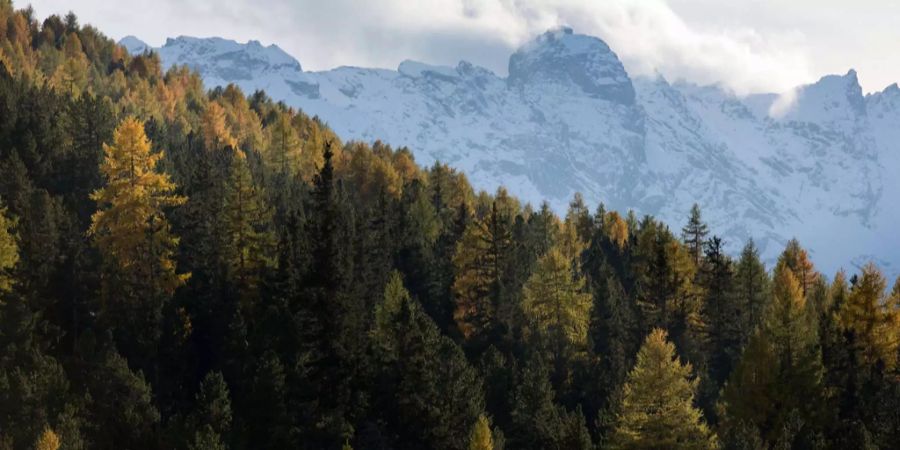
(649, 35)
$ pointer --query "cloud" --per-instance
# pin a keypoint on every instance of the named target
(648, 35)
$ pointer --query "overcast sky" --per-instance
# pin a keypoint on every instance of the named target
(748, 45)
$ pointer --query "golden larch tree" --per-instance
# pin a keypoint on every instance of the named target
(130, 226)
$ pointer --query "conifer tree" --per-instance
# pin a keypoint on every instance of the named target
(694, 235)
(9, 249)
(284, 148)
(48, 440)
(480, 438)
(751, 285)
(657, 408)
(130, 228)
(249, 244)
(797, 259)
(871, 320)
(479, 263)
(778, 382)
(556, 306)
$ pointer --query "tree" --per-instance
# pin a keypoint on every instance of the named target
(9, 249)
(797, 259)
(216, 134)
(537, 421)
(479, 263)
(777, 385)
(556, 307)
(130, 228)
(694, 235)
(432, 397)
(657, 408)
(480, 438)
(751, 284)
(872, 322)
(284, 149)
(722, 311)
(249, 244)
(48, 440)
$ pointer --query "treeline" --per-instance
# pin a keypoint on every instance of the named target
(198, 269)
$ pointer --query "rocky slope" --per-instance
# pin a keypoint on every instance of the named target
(568, 118)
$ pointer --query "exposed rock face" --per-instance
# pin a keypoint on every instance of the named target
(821, 165)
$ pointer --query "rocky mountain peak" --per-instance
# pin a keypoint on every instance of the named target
(565, 59)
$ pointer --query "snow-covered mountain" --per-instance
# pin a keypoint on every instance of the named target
(820, 163)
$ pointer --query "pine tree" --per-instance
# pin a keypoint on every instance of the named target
(694, 235)
(657, 408)
(480, 438)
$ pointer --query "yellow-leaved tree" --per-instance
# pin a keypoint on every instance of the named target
(48, 440)
(9, 249)
(657, 408)
(556, 305)
(130, 227)
(480, 438)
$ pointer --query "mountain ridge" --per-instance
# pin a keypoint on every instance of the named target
(568, 118)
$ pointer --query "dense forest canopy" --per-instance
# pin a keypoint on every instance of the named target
(193, 269)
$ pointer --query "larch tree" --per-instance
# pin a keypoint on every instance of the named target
(216, 134)
(873, 323)
(797, 259)
(657, 409)
(284, 148)
(694, 234)
(48, 440)
(130, 229)
(480, 438)
(555, 305)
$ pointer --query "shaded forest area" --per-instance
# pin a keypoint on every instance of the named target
(193, 269)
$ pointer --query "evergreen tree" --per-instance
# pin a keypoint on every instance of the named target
(657, 408)
(694, 235)
(9, 250)
(479, 263)
(249, 244)
(751, 291)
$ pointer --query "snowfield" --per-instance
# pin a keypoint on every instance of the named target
(821, 163)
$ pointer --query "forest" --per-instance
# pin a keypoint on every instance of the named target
(194, 268)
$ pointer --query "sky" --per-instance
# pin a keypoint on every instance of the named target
(748, 46)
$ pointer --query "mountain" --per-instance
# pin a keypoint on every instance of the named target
(817, 163)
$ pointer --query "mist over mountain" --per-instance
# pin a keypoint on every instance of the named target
(817, 163)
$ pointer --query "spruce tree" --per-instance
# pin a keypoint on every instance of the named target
(694, 234)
